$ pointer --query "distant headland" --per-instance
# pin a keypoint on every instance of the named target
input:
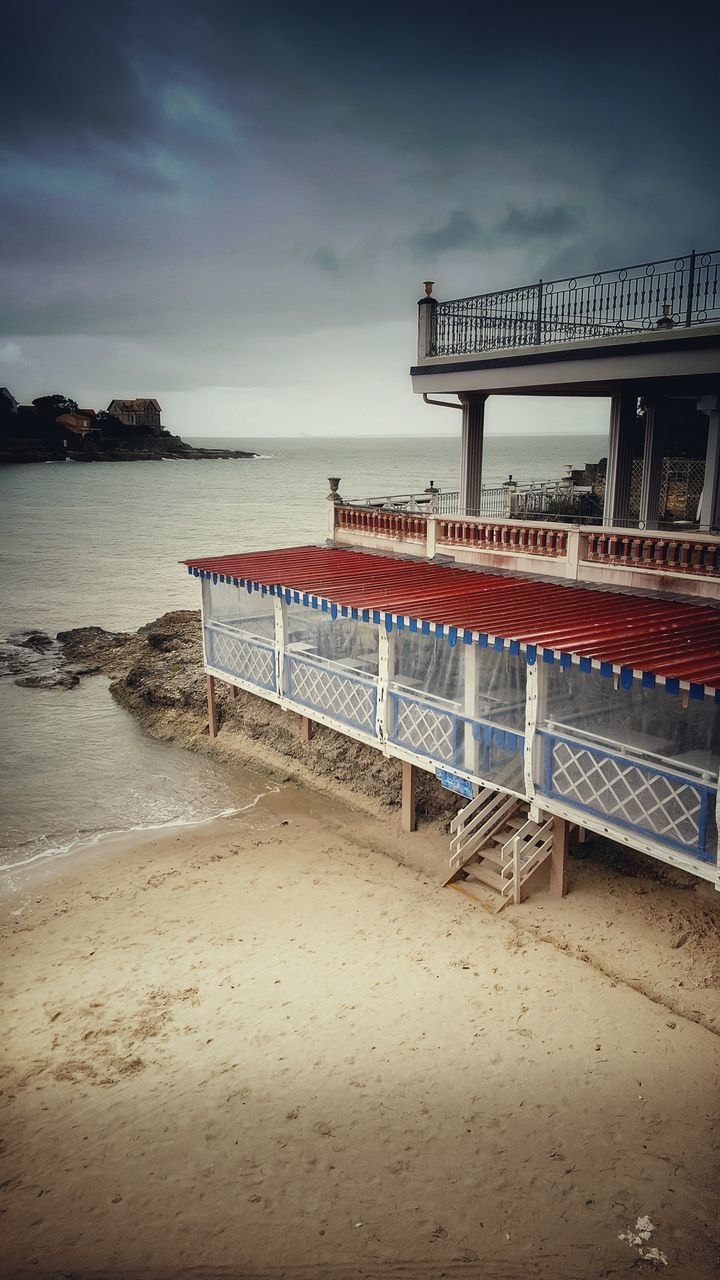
(54, 429)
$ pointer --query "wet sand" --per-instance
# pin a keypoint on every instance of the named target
(264, 1048)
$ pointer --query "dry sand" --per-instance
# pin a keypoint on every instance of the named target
(263, 1048)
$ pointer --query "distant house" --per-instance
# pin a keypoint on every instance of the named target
(81, 423)
(137, 413)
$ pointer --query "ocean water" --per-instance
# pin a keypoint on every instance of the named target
(99, 545)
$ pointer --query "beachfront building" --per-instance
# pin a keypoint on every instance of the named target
(559, 675)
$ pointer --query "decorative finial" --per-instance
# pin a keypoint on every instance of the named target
(334, 495)
(428, 284)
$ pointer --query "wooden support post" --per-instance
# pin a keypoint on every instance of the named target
(409, 781)
(307, 728)
(212, 708)
(558, 858)
(233, 691)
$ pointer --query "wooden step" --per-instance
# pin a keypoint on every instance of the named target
(488, 854)
(486, 876)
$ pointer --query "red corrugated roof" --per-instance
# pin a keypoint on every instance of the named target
(671, 639)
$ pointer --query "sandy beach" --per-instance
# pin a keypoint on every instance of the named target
(263, 1048)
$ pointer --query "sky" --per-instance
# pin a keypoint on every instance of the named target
(232, 207)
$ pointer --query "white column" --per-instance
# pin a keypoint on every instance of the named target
(470, 705)
(710, 502)
(531, 719)
(652, 469)
(623, 417)
(386, 645)
(279, 645)
(473, 431)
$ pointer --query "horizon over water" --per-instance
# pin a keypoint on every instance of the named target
(99, 544)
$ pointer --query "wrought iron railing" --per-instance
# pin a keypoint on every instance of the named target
(675, 292)
(540, 500)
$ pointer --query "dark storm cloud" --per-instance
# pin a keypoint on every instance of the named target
(462, 231)
(210, 176)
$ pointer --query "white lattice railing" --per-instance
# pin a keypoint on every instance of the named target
(348, 698)
(241, 656)
(441, 734)
(665, 806)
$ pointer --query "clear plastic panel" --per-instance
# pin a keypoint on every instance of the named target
(459, 705)
(250, 612)
(351, 645)
(680, 731)
(643, 758)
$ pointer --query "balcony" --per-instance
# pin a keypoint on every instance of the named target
(652, 298)
(672, 562)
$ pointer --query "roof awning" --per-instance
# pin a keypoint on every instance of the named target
(635, 637)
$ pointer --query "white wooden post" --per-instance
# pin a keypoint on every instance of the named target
(533, 711)
(470, 703)
(279, 645)
(386, 645)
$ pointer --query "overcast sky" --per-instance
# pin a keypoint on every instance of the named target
(232, 206)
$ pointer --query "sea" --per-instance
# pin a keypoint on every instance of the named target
(99, 544)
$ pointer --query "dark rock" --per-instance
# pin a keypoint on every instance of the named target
(37, 640)
(50, 680)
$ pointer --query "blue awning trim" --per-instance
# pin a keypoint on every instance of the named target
(626, 676)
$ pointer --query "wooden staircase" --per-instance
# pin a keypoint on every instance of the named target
(495, 843)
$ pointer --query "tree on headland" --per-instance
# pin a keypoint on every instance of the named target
(53, 406)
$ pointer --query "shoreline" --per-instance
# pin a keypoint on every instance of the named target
(262, 1046)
